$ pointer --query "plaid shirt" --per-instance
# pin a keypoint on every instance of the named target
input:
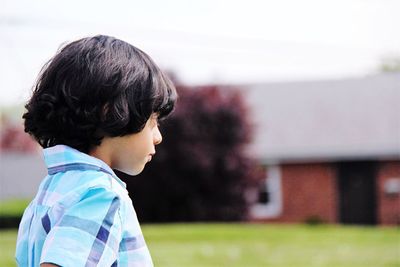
(81, 216)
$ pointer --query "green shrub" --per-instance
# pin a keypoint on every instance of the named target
(314, 220)
(11, 212)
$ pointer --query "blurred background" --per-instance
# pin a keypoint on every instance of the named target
(288, 115)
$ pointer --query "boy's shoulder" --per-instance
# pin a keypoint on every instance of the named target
(68, 188)
(72, 170)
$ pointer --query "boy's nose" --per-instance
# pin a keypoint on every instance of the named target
(157, 136)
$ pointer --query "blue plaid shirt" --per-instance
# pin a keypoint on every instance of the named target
(81, 216)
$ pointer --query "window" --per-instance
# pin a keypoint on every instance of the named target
(269, 201)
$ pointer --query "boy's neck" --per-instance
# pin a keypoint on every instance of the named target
(102, 152)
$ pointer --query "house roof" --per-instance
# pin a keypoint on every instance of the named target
(345, 119)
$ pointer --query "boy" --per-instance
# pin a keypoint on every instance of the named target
(95, 107)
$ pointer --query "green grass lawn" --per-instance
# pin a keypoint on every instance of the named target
(249, 245)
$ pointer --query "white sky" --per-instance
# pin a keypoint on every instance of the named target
(206, 41)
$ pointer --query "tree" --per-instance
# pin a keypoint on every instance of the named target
(200, 171)
(390, 64)
(14, 139)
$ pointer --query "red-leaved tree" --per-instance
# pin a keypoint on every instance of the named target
(200, 171)
(14, 139)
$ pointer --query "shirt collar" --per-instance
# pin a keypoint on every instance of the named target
(61, 158)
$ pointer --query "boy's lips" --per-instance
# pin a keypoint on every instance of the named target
(151, 155)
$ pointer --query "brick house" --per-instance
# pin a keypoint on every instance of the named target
(331, 150)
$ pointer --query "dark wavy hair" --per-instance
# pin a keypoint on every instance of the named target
(96, 87)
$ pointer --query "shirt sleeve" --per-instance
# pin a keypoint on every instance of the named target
(87, 234)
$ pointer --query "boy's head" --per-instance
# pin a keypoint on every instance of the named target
(93, 89)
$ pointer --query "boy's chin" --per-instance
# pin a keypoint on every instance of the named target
(131, 172)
